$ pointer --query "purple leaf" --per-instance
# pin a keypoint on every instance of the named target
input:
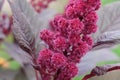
(22, 30)
(30, 72)
(18, 54)
(91, 59)
(20, 75)
(36, 21)
(108, 23)
(23, 58)
(31, 15)
(107, 40)
(108, 18)
(7, 74)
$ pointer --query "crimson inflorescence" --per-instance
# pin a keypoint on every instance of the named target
(68, 40)
(40, 4)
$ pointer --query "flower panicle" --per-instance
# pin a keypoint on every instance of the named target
(69, 39)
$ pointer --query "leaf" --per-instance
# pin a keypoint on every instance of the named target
(36, 21)
(109, 20)
(7, 74)
(22, 31)
(15, 75)
(90, 60)
(107, 40)
(23, 58)
(31, 15)
(101, 70)
(1, 4)
(30, 72)
(18, 54)
(20, 75)
(109, 36)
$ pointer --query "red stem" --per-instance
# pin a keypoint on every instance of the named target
(93, 74)
(36, 74)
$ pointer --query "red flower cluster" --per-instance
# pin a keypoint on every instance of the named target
(68, 40)
(50, 61)
(5, 24)
(40, 4)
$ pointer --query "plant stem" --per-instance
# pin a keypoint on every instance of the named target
(92, 74)
(36, 73)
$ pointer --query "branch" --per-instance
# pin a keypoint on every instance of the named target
(98, 71)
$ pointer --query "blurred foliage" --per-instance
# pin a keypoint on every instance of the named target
(108, 1)
(12, 64)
